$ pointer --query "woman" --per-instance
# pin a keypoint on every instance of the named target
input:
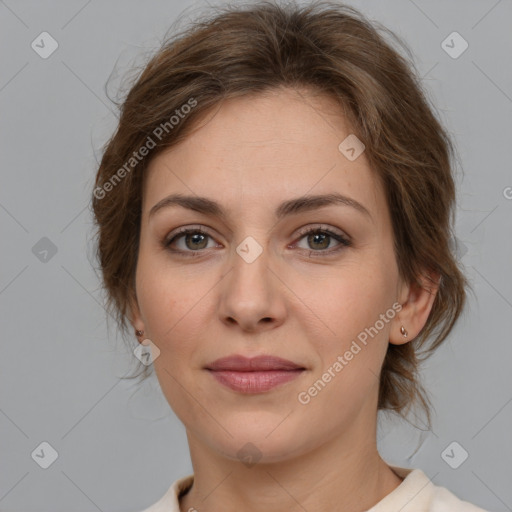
(274, 222)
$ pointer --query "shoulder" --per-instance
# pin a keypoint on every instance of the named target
(445, 501)
(417, 493)
(169, 502)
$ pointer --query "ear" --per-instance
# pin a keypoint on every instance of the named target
(134, 314)
(417, 301)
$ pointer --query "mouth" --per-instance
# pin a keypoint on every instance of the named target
(254, 375)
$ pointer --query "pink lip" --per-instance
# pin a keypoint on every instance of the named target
(253, 375)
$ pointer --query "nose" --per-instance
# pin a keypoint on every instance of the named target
(252, 294)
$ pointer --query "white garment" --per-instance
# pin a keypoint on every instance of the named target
(416, 493)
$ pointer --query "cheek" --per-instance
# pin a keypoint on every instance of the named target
(352, 322)
(340, 304)
(164, 294)
(169, 311)
(173, 305)
(350, 350)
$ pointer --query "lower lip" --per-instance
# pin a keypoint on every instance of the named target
(255, 382)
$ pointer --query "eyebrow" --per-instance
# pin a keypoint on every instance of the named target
(208, 206)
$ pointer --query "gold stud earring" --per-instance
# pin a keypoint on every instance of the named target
(403, 331)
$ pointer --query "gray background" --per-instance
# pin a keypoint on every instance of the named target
(121, 447)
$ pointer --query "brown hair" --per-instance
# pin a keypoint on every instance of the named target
(329, 48)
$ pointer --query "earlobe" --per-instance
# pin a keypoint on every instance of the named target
(415, 310)
(403, 331)
(135, 318)
(399, 334)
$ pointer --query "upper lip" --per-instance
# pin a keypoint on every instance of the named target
(251, 364)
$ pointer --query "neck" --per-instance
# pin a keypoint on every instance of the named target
(342, 474)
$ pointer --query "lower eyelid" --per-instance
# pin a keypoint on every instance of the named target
(178, 236)
(343, 242)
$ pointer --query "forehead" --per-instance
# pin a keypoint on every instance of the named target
(268, 146)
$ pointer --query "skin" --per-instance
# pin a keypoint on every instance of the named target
(249, 155)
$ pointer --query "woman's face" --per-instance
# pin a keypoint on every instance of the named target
(255, 284)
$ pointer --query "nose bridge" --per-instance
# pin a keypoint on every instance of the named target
(250, 293)
(250, 261)
(251, 250)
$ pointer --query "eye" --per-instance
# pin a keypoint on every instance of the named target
(319, 239)
(194, 240)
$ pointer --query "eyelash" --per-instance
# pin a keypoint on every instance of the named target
(343, 241)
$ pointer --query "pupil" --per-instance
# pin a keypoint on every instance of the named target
(194, 237)
(313, 237)
(317, 238)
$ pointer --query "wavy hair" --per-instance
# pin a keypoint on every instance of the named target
(333, 49)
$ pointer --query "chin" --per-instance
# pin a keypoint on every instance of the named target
(261, 444)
